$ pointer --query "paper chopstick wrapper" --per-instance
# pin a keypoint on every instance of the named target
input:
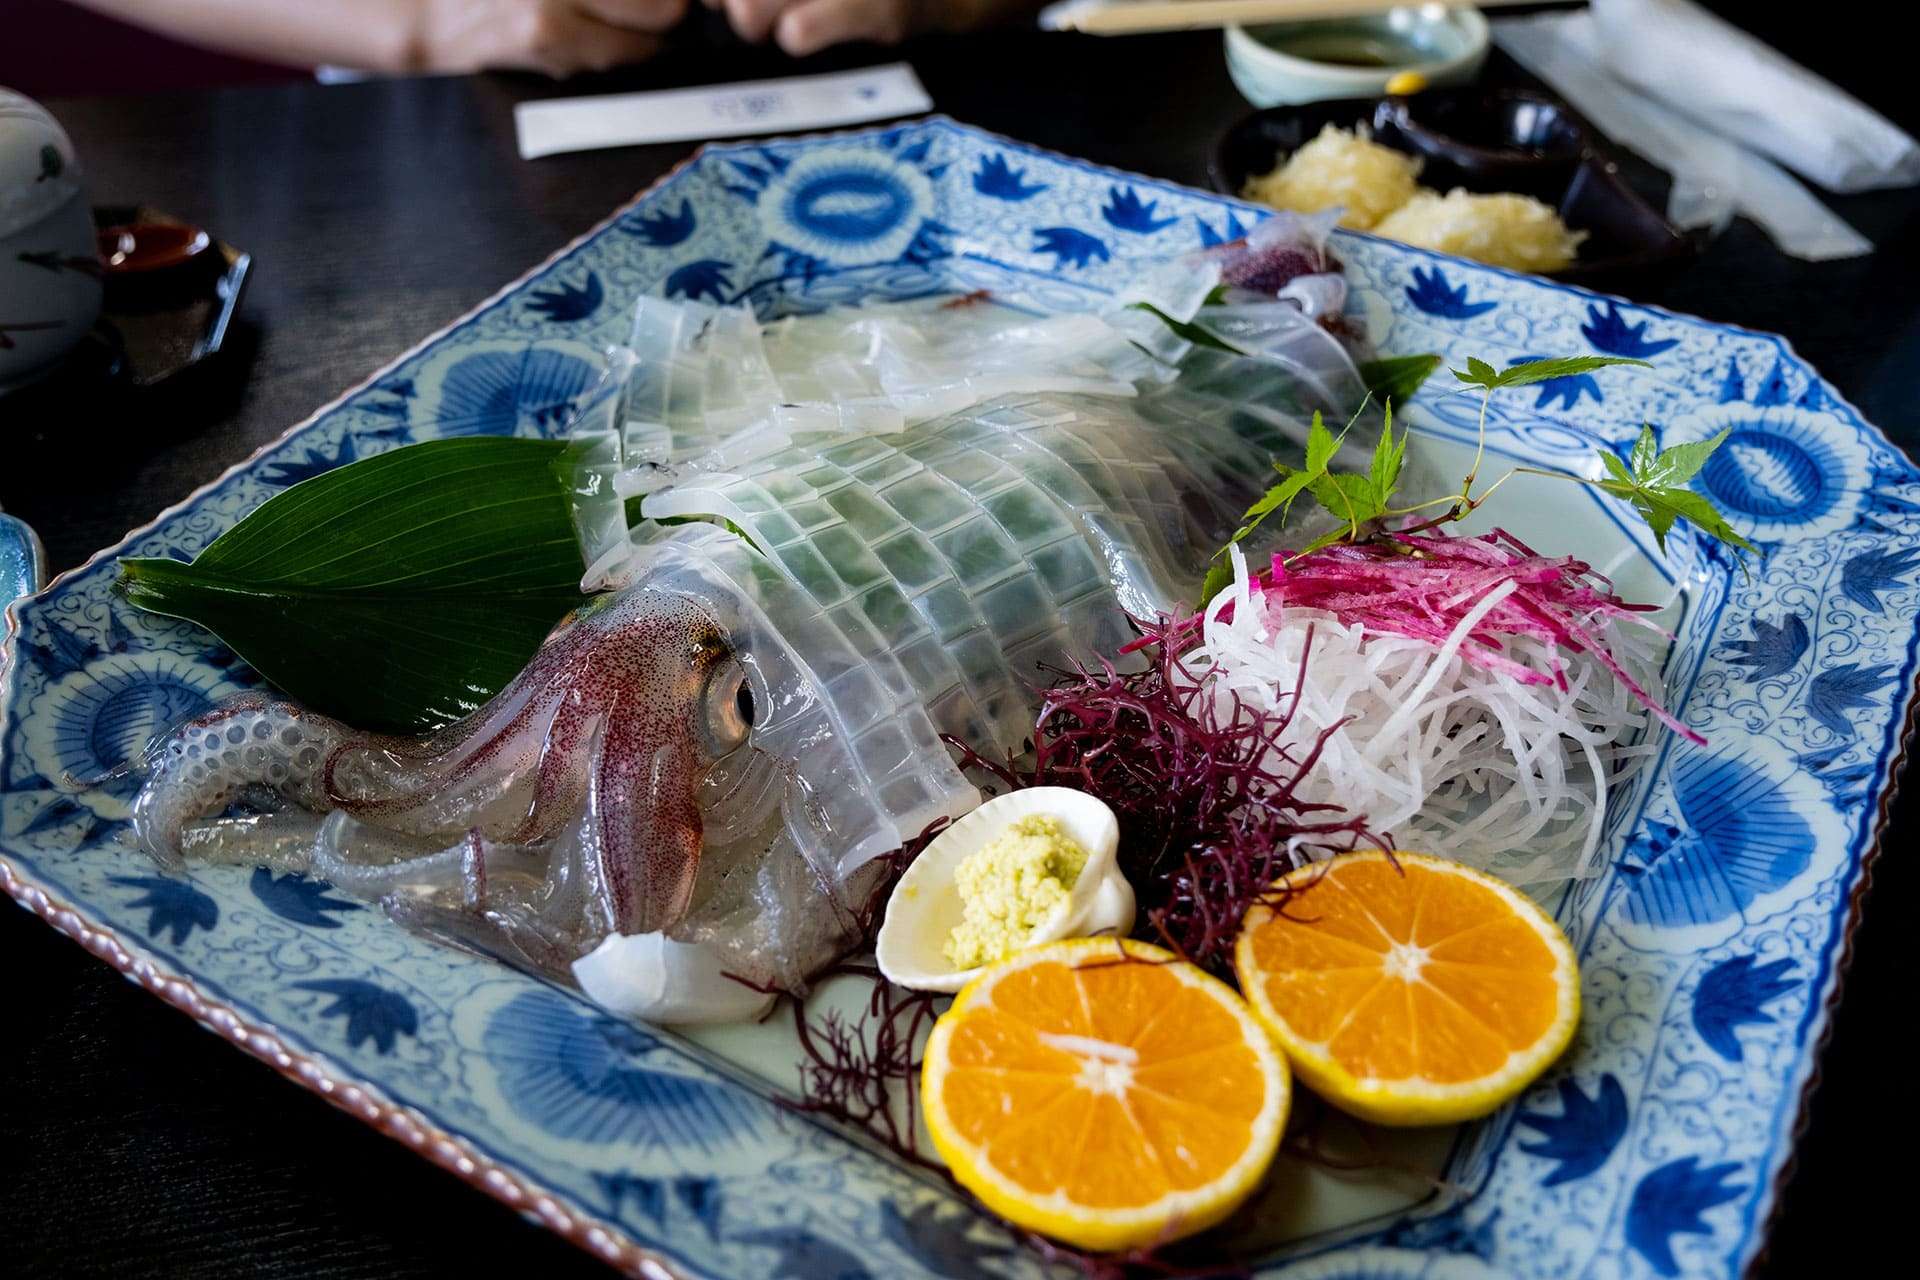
(718, 111)
(1714, 177)
(1708, 69)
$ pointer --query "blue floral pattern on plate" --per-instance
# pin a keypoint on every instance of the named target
(1709, 948)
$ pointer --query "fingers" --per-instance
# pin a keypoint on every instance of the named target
(752, 20)
(563, 41)
(635, 15)
(812, 25)
(615, 48)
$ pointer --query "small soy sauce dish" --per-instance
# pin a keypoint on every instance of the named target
(1487, 141)
(171, 291)
(168, 294)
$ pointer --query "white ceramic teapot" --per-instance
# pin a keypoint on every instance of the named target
(49, 281)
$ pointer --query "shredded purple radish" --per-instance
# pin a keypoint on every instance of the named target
(1422, 586)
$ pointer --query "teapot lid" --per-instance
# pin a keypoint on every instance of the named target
(38, 169)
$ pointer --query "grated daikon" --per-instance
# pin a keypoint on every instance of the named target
(1340, 169)
(1504, 230)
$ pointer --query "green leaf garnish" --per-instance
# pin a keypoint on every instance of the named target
(1654, 482)
(1349, 498)
(1359, 500)
(399, 592)
(1388, 454)
(1394, 380)
(1353, 499)
(1187, 329)
(1321, 446)
(1219, 572)
(1481, 374)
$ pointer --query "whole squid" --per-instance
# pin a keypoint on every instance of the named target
(719, 750)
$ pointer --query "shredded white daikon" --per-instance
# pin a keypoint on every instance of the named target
(1438, 754)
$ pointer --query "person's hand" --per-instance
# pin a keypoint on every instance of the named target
(806, 26)
(559, 37)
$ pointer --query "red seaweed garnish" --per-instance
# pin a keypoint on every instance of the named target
(852, 1068)
(1206, 793)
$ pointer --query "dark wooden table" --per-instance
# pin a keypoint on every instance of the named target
(132, 1143)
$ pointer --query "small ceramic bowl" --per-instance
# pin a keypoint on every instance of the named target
(1629, 244)
(926, 904)
(143, 248)
(1299, 62)
(1505, 135)
(49, 272)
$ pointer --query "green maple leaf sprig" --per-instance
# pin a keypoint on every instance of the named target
(1653, 481)
(1358, 500)
(1479, 373)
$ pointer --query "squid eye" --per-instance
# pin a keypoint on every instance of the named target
(728, 708)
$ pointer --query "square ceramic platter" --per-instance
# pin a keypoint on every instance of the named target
(1712, 946)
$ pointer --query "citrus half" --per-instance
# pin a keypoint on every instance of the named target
(1104, 1093)
(1409, 990)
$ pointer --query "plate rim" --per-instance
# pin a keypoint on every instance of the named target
(554, 1209)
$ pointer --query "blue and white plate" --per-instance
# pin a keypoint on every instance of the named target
(1711, 947)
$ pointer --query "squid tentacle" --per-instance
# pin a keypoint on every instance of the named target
(470, 775)
(560, 776)
(517, 770)
(518, 933)
(249, 743)
(566, 809)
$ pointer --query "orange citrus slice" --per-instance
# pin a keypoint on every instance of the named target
(1104, 1093)
(1423, 994)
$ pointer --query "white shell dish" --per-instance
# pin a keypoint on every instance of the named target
(926, 905)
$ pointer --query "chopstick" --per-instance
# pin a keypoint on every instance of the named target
(1130, 17)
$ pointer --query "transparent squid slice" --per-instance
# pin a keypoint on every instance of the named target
(968, 557)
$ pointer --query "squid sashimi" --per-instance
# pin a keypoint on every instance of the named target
(719, 751)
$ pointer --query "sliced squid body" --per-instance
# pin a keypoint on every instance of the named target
(954, 561)
(885, 524)
(888, 584)
(708, 388)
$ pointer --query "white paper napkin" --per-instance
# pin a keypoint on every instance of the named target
(1710, 70)
(1716, 175)
(719, 111)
